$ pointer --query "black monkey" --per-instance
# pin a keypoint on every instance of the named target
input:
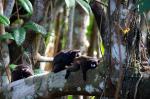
(84, 63)
(21, 71)
(63, 59)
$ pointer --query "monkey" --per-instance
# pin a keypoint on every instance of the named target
(84, 63)
(63, 59)
(21, 71)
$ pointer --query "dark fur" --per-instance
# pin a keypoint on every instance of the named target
(63, 59)
(21, 72)
(84, 63)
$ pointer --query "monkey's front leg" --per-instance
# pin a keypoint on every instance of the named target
(72, 68)
(84, 75)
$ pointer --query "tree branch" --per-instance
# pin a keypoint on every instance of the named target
(9, 8)
(4, 55)
(100, 19)
(44, 58)
(45, 85)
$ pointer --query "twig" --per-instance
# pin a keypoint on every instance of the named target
(45, 59)
(136, 87)
(17, 10)
(146, 23)
(40, 58)
(14, 14)
(102, 3)
(7, 73)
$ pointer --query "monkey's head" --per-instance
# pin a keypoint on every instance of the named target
(84, 63)
(74, 53)
(20, 72)
(93, 63)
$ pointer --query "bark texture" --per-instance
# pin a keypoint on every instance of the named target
(50, 84)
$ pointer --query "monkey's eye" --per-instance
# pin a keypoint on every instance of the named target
(93, 65)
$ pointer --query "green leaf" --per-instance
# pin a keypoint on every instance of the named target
(27, 5)
(90, 26)
(12, 66)
(35, 27)
(19, 35)
(4, 20)
(102, 48)
(143, 5)
(70, 3)
(92, 97)
(6, 36)
(69, 96)
(84, 5)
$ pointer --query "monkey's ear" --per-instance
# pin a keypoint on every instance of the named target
(99, 60)
(74, 51)
(77, 50)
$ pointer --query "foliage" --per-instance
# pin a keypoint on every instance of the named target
(35, 27)
(26, 4)
(6, 36)
(92, 97)
(90, 26)
(12, 66)
(19, 35)
(70, 3)
(143, 5)
(102, 48)
(4, 20)
(70, 97)
(83, 3)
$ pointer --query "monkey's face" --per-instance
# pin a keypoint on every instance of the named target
(21, 72)
(94, 63)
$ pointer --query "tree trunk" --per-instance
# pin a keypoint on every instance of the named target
(5, 74)
(80, 29)
(70, 27)
(93, 39)
(121, 45)
(57, 47)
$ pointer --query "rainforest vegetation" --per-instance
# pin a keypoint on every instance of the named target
(74, 49)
